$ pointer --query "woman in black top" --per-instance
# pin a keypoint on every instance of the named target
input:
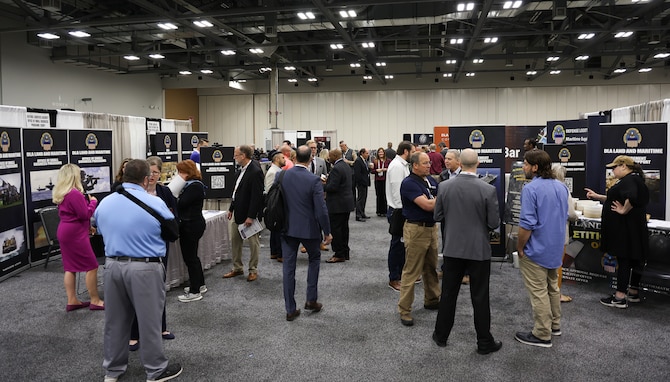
(624, 231)
(191, 227)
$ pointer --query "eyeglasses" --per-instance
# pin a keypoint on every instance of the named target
(154, 173)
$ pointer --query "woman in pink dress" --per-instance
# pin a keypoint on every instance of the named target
(75, 211)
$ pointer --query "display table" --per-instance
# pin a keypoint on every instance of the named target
(584, 262)
(212, 248)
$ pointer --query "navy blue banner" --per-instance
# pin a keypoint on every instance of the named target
(573, 158)
(645, 142)
(45, 151)
(164, 146)
(189, 141)
(488, 142)
(14, 254)
(217, 167)
(567, 132)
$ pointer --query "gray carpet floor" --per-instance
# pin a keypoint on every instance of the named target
(239, 332)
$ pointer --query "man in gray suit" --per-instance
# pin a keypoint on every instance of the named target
(308, 218)
(470, 209)
(317, 165)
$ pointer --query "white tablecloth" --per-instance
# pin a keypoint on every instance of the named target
(212, 248)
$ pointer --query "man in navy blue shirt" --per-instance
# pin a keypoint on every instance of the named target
(417, 192)
(134, 276)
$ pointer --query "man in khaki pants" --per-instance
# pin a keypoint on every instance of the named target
(417, 192)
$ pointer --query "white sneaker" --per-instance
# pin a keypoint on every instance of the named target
(188, 297)
(203, 289)
(111, 379)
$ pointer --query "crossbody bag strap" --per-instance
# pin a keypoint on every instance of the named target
(142, 204)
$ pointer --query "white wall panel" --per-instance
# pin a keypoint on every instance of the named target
(372, 118)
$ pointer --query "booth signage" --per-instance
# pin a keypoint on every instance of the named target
(217, 167)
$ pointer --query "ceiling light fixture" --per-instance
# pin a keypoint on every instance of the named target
(368, 45)
(454, 41)
(265, 69)
(79, 34)
(380, 63)
(184, 72)
(450, 62)
(465, 7)
(206, 71)
(661, 55)
(623, 34)
(554, 72)
(620, 70)
(582, 58)
(552, 58)
(347, 14)
(292, 80)
(306, 15)
(289, 68)
(156, 56)
(531, 72)
(586, 36)
(336, 46)
(256, 50)
(167, 26)
(203, 24)
(367, 77)
(228, 52)
(478, 61)
(447, 75)
(644, 70)
(470, 74)
(131, 58)
(312, 79)
(491, 40)
(389, 76)
(48, 36)
(355, 65)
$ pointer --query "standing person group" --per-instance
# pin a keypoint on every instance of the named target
(624, 232)
(75, 210)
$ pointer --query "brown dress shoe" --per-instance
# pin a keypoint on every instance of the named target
(303, 249)
(252, 277)
(395, 285)
(292, 316)
(280, 259)
(313, 306)
(233, 274)
(324, 247)
(335, 260)
(272, 257)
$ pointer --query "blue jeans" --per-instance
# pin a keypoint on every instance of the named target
(396, 256)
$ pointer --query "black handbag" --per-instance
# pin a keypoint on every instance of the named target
(169, 228)
(397, 222)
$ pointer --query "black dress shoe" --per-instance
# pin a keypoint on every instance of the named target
(292, 316)
(438, 341)
(432, 307)
(409, 322)
(494, 347)
(360, 219)
(365, 217)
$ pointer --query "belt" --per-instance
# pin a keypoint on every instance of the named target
(142, 259)
(422, 224)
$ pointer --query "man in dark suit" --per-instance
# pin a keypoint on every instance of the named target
(362, 180)
(246, 206)
(308, 218)
(340, 202)
(470, 209)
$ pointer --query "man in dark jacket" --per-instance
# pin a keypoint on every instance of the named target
(340, 202)
(362, 180)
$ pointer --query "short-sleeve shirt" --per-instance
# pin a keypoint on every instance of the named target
(412, 187)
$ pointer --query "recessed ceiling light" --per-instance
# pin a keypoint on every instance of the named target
(380, 63)
(450, 62)
(586, 36)
(368, 45)
(184, 72)
(156, 56)
(167, 26)
(289, 67)
(491, 40)
(531, 72)
(662, 55)
(553, 58)
(131, 58)
(620, 70)
(203, 24)
(554, 72)
(367, 77)
(306, 15)
(355, 65)
(470, 74)
(447, 74)
(623, 34)
(478, 61)
(48, 36)
(206, 71)
(389, 76)
(292, 80)
(644, 70)
(312, 79)
(256, 50)
(582, 58)
(228, 52)
(336, 46)
(454, 41)
(79, 34)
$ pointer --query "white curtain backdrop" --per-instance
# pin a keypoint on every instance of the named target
(96, 121)
(120, 138)
(665, 113)
(182, 126)
(137, 129)
(168, 125)
(66, 119)
(13, 116)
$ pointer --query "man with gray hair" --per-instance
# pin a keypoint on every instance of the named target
(452, 162)
(470, 208)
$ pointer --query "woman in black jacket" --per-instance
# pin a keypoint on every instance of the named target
(191, 227)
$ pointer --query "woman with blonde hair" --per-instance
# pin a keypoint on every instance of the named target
(75, 211)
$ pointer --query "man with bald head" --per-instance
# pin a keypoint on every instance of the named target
(469, 207)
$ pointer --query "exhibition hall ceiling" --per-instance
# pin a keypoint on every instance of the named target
(373, 40)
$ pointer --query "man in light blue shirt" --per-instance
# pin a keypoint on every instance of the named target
(544, 212)
(134, 276)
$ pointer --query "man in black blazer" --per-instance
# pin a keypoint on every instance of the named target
(246, 207)
(340, 202)
(362, 180)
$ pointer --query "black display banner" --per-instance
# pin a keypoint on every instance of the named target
(573, 158)
(189, 141)
(488, 142)
(217, 167)
(14, 255)
(646, 143)
(153, 126)
(164, 146)
(517, 179)
(302, 137)
(567, 132)
(45, 151)
(514, 138)
(91, 150)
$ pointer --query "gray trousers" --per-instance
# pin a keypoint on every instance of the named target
(134, 288)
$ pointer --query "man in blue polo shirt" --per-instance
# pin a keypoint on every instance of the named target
(542, 225)
(134, 276)
(417, 192)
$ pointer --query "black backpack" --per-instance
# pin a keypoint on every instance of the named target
(275, 215)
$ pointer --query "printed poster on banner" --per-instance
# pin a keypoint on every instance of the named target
(573, 158)
(91, 150)
(14, 256)
(488, 142)
(164, 146)
(189, 141)
(217, 167)
(45, 151)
